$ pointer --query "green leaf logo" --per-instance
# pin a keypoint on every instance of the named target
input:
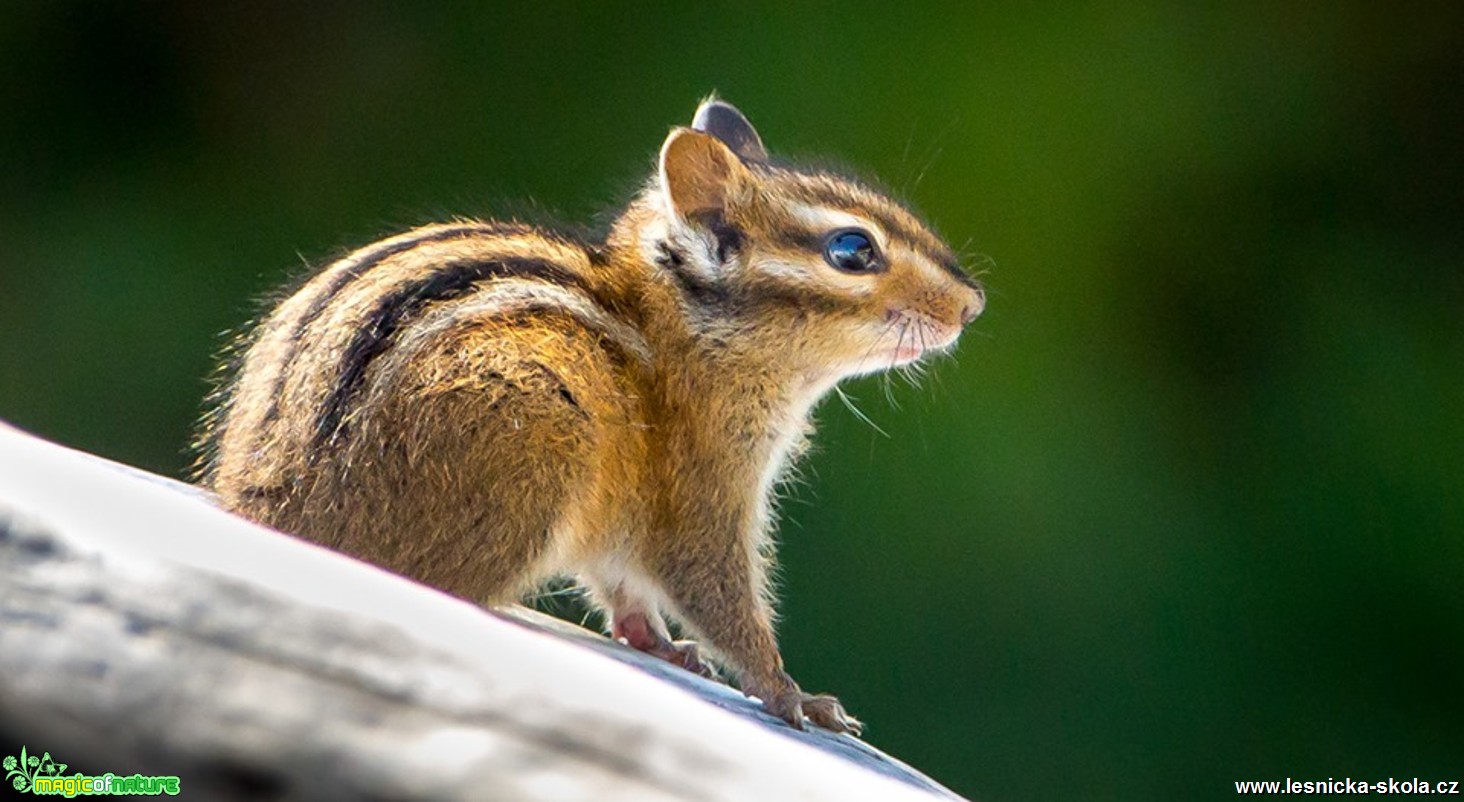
(21, 771)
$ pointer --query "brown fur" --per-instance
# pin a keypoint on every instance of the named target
(620, 413)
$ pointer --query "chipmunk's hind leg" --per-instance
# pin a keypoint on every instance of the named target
(460, 472)
(636, 621)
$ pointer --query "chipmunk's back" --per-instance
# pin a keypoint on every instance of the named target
(371, 340)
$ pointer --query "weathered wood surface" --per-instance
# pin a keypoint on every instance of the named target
(143, 630)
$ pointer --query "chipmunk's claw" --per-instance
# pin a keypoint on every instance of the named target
(827, 712)
(687, 654)
(799, 709)
(787, 706)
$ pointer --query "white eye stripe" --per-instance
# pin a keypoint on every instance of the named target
(801, 274)
(825, 218)
(791, 271)
(933, 272)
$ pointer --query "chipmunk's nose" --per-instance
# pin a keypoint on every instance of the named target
(974, 304)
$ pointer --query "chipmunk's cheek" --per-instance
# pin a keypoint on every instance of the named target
(869, 345)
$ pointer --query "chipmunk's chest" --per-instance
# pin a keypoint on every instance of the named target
(697, 447)
(727, 458)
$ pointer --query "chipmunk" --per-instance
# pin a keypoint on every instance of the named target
(484, 405)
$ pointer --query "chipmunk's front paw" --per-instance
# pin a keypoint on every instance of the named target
(795, 707)
(786, 705)
(826, 712)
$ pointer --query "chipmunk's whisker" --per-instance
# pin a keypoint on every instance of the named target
(858, 413)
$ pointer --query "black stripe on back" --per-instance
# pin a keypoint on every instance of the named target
(452, 280)
(380, 253)
(366, 260)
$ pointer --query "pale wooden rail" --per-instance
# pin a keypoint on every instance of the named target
(144, 631)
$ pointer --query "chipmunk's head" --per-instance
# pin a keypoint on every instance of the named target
(830, 272)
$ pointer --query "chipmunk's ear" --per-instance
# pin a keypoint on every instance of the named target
(698, 173)
(723, 121)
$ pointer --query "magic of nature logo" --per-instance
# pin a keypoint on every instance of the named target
(43, 776)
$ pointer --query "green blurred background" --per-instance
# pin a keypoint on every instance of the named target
(1186, 509)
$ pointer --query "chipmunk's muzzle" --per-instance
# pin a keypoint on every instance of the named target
(974, 304)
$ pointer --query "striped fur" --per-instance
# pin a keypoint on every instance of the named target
(394, 311)
(482, 405)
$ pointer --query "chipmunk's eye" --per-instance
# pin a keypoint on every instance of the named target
(851, 251)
